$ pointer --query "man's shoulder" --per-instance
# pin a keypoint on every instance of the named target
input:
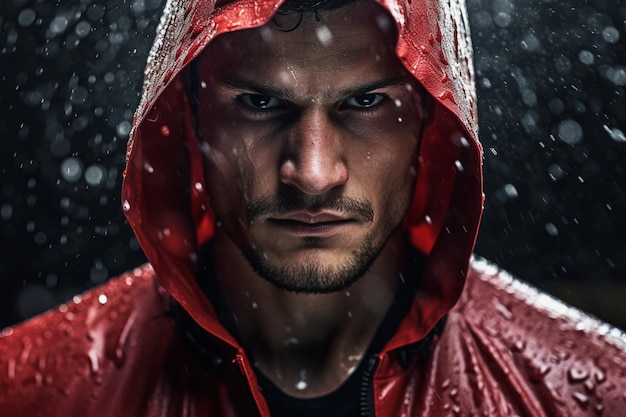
(494, 294)
(557, 356)
(84, 310)
(81, 344)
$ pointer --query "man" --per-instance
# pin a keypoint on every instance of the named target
(305, 180)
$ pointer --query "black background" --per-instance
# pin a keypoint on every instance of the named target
(550, 78)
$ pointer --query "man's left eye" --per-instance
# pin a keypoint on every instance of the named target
(365, 101)
(260, 102)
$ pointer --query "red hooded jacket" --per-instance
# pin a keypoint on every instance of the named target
(506, 349)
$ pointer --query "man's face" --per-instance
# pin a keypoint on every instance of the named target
(311, 140)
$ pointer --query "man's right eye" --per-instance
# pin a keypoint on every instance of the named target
(260, 102)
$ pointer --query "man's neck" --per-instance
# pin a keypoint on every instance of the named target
(306, 344)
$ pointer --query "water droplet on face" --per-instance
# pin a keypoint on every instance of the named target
(324, 35)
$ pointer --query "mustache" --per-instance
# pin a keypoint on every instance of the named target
(281, 204)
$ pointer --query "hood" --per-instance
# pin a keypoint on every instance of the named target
(163, 191)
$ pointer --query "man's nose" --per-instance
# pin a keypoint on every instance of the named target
(314, 160)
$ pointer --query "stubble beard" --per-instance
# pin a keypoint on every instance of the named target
(312, 278)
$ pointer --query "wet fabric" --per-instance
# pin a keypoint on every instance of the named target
(506, 349)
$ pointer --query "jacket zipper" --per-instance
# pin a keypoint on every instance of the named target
(367, 388)
(245, 385)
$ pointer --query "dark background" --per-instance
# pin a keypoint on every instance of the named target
(550, 77)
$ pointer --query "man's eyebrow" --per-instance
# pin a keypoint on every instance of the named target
(242, 83)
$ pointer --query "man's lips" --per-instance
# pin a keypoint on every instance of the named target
(311, 218)
(310, 224)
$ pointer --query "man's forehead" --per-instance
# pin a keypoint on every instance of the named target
(364, 26)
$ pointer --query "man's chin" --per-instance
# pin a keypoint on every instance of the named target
(315, 274)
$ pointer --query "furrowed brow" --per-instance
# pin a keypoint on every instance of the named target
(240, 83)
(366, 88)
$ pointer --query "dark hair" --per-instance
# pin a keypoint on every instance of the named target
(313, 5)
(301, 7)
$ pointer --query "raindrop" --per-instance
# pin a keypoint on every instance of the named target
(82, 28)
(502, 19)
(551, 229)
(26, 17)
(610, 34)
(510, 191)
(94, 175)
(6, 211)
(71, 169)
(98, 272)
(123, 128)
(615, 134)
(570, 132)
(555, 172)
(40, 238)
(58, 25)
(586, 57)
(617, 75)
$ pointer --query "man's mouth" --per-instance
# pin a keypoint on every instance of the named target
(304, 223)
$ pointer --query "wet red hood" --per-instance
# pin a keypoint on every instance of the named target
(163, 191)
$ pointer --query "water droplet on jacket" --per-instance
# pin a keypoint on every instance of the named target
(577, 375)
(446, 95)
(165, 131)
(168, 76)
(442, 57)
(600, 376)
(126, 205)
(581, 399)
(519, 346)
(102, 299)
